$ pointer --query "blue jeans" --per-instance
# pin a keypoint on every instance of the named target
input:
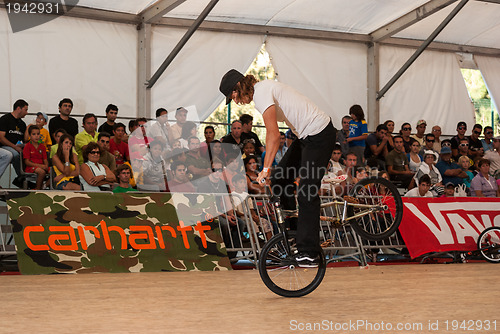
(5, 159)
(15, 159)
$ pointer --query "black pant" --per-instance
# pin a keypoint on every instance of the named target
(306, 158)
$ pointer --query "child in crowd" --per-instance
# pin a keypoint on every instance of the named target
(41, 121)
(358, 132)
(449, 190)
(35, 156)
(464, 163)
(240, 189)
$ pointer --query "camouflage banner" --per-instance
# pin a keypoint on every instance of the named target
(77, 232)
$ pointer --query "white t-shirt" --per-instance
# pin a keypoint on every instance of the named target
(414, 193)
(293, 108)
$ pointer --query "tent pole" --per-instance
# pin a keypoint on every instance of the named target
(373, 110)
(181, 43)
(143, 70)
(421, 49)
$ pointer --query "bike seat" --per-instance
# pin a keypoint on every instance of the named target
(336, 180)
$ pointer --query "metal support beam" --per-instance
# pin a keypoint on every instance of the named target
(373, 86)
(253, 29)
(155, 12)
(143, 70)
(181, 43)
(409, 19)
(421, 49)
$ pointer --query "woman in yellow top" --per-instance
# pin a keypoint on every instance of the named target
(66, 167)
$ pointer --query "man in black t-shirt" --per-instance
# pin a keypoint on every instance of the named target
(246, 125)
(235, 137)
(455, 140)
(64, 121)
(111, 114)
(376, 147)
(12, 129)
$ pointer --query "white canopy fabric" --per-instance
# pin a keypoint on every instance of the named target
(433, 90)
(490, 68)
(194, 76)
(332, 74)
(92, 62)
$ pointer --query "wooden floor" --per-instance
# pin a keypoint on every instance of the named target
(238, 302)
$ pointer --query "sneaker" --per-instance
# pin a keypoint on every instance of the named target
(306, 260)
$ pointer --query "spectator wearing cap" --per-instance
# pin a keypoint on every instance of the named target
(436, 131)
(455, 140)
(419, 136)
(487, 142)
(42, 119)
(343, 134)
(424, 184)
(483, 184)
(428, 168)
(449, 190)
(494, 157)
(450, 171)
(475, 145)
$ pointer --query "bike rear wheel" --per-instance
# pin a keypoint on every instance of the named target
(488, 244)
(281, 274)
(380, 224)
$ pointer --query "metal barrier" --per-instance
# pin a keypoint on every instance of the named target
(338, 243)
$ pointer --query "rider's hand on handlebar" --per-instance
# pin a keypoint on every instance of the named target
(263, 176)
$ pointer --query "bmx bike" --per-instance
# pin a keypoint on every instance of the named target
(373, 209)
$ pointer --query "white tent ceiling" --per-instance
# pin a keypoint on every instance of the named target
(106, 68)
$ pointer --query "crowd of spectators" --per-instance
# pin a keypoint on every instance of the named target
(161, 156)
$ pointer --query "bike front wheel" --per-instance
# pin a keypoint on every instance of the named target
(383, 196)
(281, 274)
(488, 244)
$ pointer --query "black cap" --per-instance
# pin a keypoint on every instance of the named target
(461, 123)
(228, 82)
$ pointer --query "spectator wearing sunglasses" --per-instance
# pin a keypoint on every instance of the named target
(461, 129)
(436, 131)
(475, 144)
(405, 134)
(429, 141)
(487, 142)
(93, 175)
(463, 151)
